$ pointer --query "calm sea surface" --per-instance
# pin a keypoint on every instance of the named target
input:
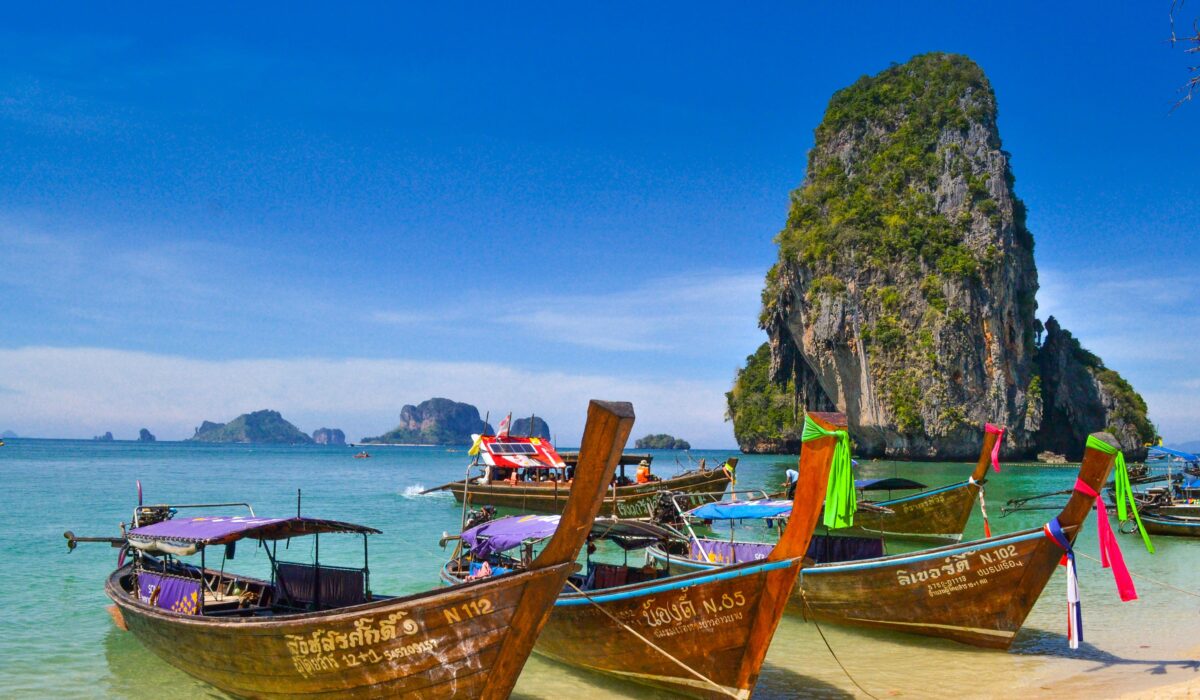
(59, 642)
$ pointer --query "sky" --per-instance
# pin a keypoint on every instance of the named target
(329, 212)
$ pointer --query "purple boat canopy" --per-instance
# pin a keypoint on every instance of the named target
(205, 530)
(508, 533)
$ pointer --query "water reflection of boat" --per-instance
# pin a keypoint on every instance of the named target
(314, 629)
(701, 634)
(976, 592)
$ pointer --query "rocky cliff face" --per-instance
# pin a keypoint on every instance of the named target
(265, 427)
(523, 427)
(904, 294)
(329, 436)
(435, 422)
(1082, 396)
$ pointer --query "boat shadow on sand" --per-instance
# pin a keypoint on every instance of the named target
(774, 683)
(1036, 642)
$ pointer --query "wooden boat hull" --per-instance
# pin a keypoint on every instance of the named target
(439, 644)
(1173, 526)
(717, 622)
(938, 514)
(634, 501)
(977, 593)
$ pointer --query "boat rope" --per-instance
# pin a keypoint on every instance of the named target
(808, 616)
(719, 688)
(987, 528)
(1164, 584)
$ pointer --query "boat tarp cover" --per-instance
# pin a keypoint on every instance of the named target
(1174, 453)
(223, 529)
(508, 533)
(894, 483)
(730, 510)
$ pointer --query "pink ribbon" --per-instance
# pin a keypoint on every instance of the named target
(999, 433)
(1110, 551)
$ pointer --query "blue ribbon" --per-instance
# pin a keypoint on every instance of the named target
(1054, 531)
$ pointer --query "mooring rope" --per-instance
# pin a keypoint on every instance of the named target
(1164, 584)
(720, 688)
(816, 624)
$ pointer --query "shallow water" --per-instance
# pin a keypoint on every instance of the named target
(58, 641)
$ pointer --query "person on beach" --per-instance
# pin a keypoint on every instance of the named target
(792, 476)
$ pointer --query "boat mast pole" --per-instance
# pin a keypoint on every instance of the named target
(467, 475)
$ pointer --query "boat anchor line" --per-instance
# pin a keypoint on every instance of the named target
(707, 681)
(808, 617)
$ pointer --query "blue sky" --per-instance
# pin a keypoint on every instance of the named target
(333, 213)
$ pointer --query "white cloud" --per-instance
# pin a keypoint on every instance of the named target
(78, 392)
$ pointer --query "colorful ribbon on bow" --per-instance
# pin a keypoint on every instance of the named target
(999, 433)
(1123, 488)
(1055, 532)
(1110, 551)
(840, 498)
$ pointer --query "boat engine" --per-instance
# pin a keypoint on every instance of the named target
(665, 512)
(479, 517)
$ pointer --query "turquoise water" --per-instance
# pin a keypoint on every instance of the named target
(58, 641)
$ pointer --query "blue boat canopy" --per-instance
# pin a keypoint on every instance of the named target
(1166, 451)
(894, 483)
(737, 510)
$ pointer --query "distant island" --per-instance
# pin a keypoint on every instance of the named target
(262, 427)
(520, 426)
(437, 421)
(329, 436)
(145, 435)
(107, 437)
(8, 435)
(662, 441)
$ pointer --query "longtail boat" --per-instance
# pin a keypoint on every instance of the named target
(701, 634)
(937, 514)
(1164, 522)
(318, 630)
(976, 592)
(529, 475)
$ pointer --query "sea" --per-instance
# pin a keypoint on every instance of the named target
(57, 640)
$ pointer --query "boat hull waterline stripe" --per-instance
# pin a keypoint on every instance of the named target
(577, 599)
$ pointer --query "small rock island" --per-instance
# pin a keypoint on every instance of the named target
(106, 437)
(661, 441)
(526, 427)
(329, 436)
(145, 435)
(437, 421)
(260, 427)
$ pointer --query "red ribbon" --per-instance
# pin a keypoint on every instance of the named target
(1110, 551)
(999, 433)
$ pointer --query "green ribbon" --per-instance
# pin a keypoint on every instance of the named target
(1123, 488)
(840, 498)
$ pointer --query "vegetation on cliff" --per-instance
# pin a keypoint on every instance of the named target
(661, 441)
(764, 414)
(266, 426)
